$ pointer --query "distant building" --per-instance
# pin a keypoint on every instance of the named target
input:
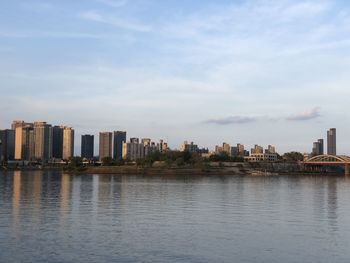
(24, 140)
(332, 141)
(257, 149)
(42, 141)
(270, 149)
(87, 146)
(189, 147)
(105, 149)
(240, 150)
(119, 137)
(7, 145)
(261, 157)
(68, 143)
(133, 150)
(226, 148)
(57, 142)
(317, 148)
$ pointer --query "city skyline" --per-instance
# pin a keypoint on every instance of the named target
(241, 72)
(41, 140)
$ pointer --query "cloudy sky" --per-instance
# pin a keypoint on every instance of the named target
(260, 71)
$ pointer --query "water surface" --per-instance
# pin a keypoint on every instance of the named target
(55, 217)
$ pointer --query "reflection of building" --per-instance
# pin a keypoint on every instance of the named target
(68, 143)
(119, 137)
(87, 146)
(332, 141)
(42, 140)
(105, 145)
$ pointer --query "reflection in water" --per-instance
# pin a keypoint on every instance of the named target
(332, 200)
(16, 197)
(57, 217)
(64, 196)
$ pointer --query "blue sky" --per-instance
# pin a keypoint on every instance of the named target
(265, 72)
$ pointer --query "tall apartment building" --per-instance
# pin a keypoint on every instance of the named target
(257, 149)
(7, 147)
(24, 140)
(87, 146)
(68, 143)
(189, 147)
(105, 149)
(317, 148)
(42, 141)
(133, 150)
(119, 137)
(270, 149)
(332, 141)
(57, 142)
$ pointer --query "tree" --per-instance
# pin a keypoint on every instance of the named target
(107, 161)
(293, 157)
(76, 161)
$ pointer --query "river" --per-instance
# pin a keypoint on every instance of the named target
(56, 217)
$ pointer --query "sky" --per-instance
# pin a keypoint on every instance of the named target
(252, 72)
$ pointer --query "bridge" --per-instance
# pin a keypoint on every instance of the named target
(331, 160)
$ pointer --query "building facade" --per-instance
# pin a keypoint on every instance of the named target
(68, 143)
(119, 137)
(57, 142)
(105, 149)
(87, 146)
(332, 141)
(7, 145)
(42, 141)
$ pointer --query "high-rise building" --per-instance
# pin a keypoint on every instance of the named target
(317, 148)
(105, 149)
(257, 149)
(57, 142)
(119, 137)
(87, 146)
(332, 141)
(189, 147)
(226, 148)
(240, 150)
(7, 147)
(68, 143)
(133, 150)
(42, 141)
(270, 149)
(24, 145)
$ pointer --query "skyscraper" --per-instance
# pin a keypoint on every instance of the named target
(24, 140)
(42, 141)
(87, 146)
(7, 151)
(68, 143)
(105, 149)
(318, 147)
(119, 137)
(57, 142)
(332, 142)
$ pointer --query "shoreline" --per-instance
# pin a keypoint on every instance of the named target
(209, 171)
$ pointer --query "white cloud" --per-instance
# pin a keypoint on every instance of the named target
(114, 21)
(305, 116)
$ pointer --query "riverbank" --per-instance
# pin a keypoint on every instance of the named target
(214, 169)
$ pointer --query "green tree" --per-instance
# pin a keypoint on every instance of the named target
(293, 156)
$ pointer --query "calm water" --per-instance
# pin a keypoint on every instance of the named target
(53, 217)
